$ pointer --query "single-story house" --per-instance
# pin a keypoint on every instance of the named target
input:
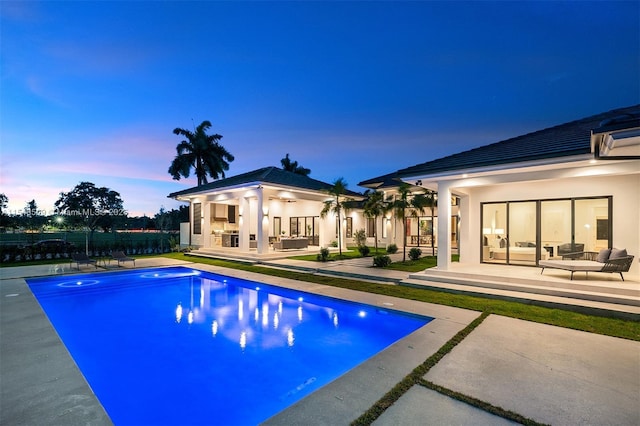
(571, 187)
(263, 209)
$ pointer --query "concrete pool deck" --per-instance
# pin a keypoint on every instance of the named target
(549, 374)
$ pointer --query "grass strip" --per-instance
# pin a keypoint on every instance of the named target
(490, 408)
(413, 378)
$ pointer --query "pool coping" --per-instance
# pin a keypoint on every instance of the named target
(41, 383)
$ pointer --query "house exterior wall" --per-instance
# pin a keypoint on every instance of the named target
(624, 189)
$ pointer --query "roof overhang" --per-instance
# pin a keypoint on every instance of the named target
(570, 167)
(617, 139)
(282, 192)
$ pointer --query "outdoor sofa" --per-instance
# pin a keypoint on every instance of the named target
(607, 260)
(291, 243)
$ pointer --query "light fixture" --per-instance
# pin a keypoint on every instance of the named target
(265, 210)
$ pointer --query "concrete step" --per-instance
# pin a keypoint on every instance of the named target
(591, 307)
(539, 285)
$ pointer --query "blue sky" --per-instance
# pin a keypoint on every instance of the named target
(91, 91)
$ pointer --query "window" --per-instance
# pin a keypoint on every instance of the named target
(231, 213)
(523, 232)
(371, 227)
(197, 218)
(349, 225)
(277, 225)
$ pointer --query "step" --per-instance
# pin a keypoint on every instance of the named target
(493, 280)
(573, 292)
(591, 307)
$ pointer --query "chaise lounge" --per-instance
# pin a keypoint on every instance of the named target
(82, 259)
(121, 257)
(607, 260)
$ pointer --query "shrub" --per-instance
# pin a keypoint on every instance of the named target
(381, 261)
(364, 251)
(323, 256)
(415, 253)
(334, 243)
(360, 237)
(392, 248)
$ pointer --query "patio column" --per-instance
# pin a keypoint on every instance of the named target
(444, 226)
(262, 235)
(245, 224)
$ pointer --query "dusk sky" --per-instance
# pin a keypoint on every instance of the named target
(91, 91)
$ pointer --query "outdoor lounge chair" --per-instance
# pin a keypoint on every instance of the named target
(82, 259)
(590, 261)
(121, 257)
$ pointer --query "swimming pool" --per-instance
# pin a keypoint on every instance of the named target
(178, 345)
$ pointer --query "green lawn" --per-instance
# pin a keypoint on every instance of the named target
(595, 324)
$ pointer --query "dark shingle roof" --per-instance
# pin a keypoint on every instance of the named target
(573, 138)
(266, 175)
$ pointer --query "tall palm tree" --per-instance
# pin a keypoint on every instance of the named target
(292, 166)
(202, 152)
(407, 204)
(374, 207)
(335, 205)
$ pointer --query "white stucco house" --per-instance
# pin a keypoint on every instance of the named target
(261, 210)
(571, 187)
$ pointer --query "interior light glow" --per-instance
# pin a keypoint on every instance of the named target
(362, 314)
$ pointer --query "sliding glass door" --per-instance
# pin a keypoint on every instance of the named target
(523, 232)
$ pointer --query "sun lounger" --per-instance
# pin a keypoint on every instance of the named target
(121, 257)
(82, 259)
(590, 262)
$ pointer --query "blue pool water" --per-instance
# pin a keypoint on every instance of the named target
(177, 345)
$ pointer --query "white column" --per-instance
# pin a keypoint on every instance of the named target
(262, 234)
(245, 227)
(444, 226)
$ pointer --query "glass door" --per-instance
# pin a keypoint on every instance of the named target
(494, 226)
(555, 228)
(521, 235)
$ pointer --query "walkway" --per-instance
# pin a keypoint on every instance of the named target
(549, 374)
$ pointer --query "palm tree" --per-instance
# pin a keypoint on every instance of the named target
(335, 205)
(292, 166)
(432, 202)
(407, 202)
(201, 151)
(374, 207)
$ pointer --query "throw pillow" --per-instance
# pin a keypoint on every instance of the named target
(603, 255)
(617, 253)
